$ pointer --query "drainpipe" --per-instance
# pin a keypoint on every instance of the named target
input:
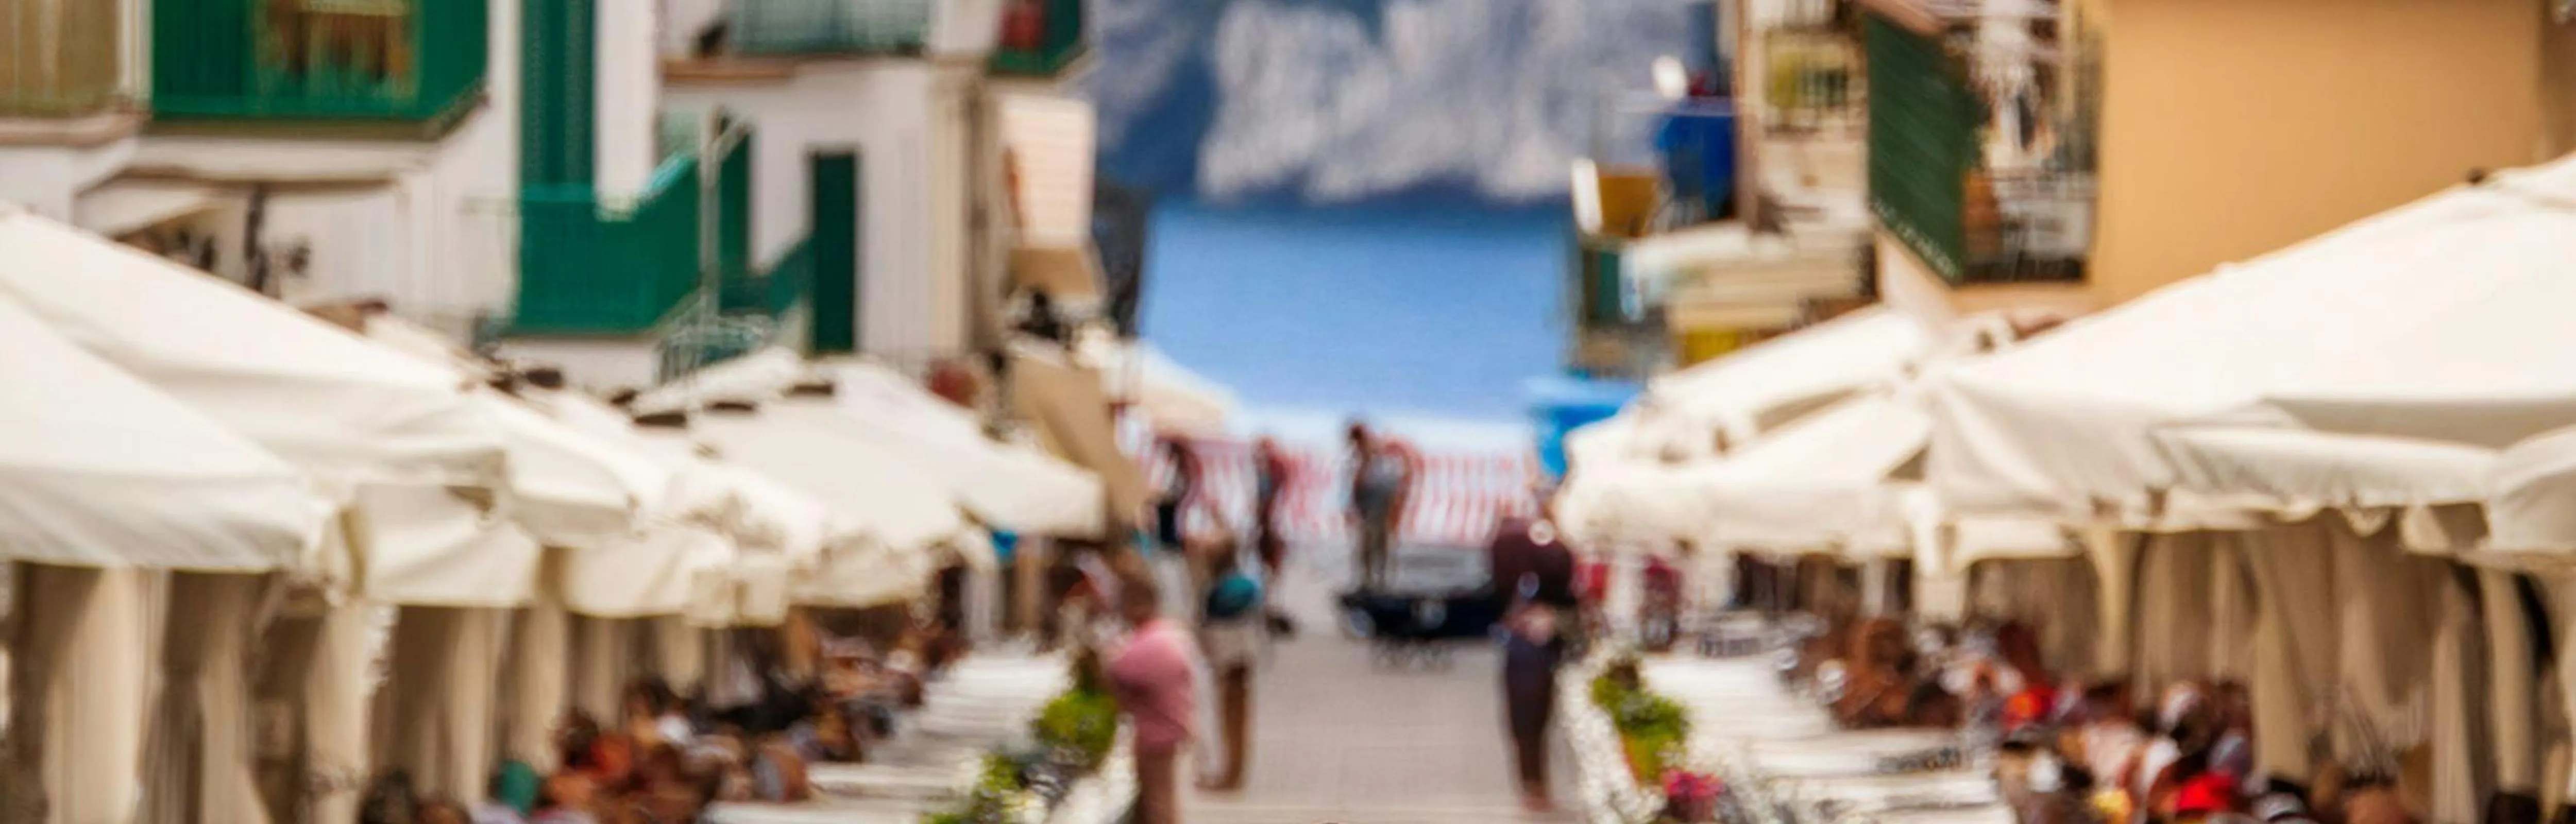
(255, 259)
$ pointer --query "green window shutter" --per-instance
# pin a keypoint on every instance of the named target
(558, 93)
(834, 246)
(1923, 123)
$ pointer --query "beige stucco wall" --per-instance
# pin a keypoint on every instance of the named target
(2558, 89)
(2233, 127)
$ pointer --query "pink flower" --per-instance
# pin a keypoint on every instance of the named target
(1691, 786)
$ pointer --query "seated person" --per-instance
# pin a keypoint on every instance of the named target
(666, 788)
(567, 799)
(778, 772)
(1889, 686)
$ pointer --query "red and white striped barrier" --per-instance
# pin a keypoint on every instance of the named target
(1457, 500)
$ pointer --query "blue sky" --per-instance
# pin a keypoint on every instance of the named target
(1397, 312)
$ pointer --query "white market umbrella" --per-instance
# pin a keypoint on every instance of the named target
(99, 469)
(568, 487)
(722, 535)
(2436, 321)
(1008, 486)
(323, 399)
(1737, 397)
(1827, 481)
(1012, 486)
(1175, 398)
(878, 492)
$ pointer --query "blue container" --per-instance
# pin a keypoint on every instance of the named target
(1559, 404)
(1696, 140)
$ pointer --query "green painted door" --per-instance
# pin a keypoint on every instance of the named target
(835, 245)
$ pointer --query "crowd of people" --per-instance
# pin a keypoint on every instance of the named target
(2075, 751)
(668, 757)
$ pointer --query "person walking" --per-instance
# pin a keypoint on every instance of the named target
(1153, 676)
(1179, 490)
(1529, 561)
(1269, 485)
(1382, 475)
(1532, 648)
(1230, 633)
(1270, 481)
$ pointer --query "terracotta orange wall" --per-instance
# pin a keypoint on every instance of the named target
(2233, 127)
(2558, 89)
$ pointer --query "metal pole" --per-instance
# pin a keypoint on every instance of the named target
(722, 137)
(703, 319)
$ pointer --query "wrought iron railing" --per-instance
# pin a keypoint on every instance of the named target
(589, 267)
(775, 293)
(400, 60)
(822, 27)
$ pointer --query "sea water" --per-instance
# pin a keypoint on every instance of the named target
(1427, 318)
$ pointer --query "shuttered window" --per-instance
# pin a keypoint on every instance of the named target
(1923, 122)
(558, 64)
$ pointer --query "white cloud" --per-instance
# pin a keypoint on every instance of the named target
(1498, 94)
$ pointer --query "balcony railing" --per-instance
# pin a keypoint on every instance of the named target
(786, 286)
(58, 57)
(1039, 37)
(825, 27)
(1931, 184)
(587, 268)
(363, 60)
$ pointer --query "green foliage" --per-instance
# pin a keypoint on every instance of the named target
(999, 790)
(1081, 725)
(1076, 728)
(1654, 731)
(1002, 775)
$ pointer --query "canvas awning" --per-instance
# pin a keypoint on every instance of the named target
(1633, 476)
(938, 448)
(2436, 323)
(1706, 409)
(1007, 485)
(430, 546)
(2531, 495)
(1073, 417)
(1172, 397)
(127, 206)
(876, 491)
(1832, 480)
(569, 488)
(1064, 273)
(1049, 143)
(341, 409)
(99, 469)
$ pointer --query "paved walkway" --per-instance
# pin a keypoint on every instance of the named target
(1339, 739)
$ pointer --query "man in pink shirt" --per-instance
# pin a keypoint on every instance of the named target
(1153, 678)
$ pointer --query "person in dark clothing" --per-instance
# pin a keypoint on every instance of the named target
(1382, 475)
(1171, 506)
(1532, 648)
(1270, 484)
(1270, 471)
(1530, 562)
(1042, 321)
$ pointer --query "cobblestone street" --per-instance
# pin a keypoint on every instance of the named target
(1338, 738)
